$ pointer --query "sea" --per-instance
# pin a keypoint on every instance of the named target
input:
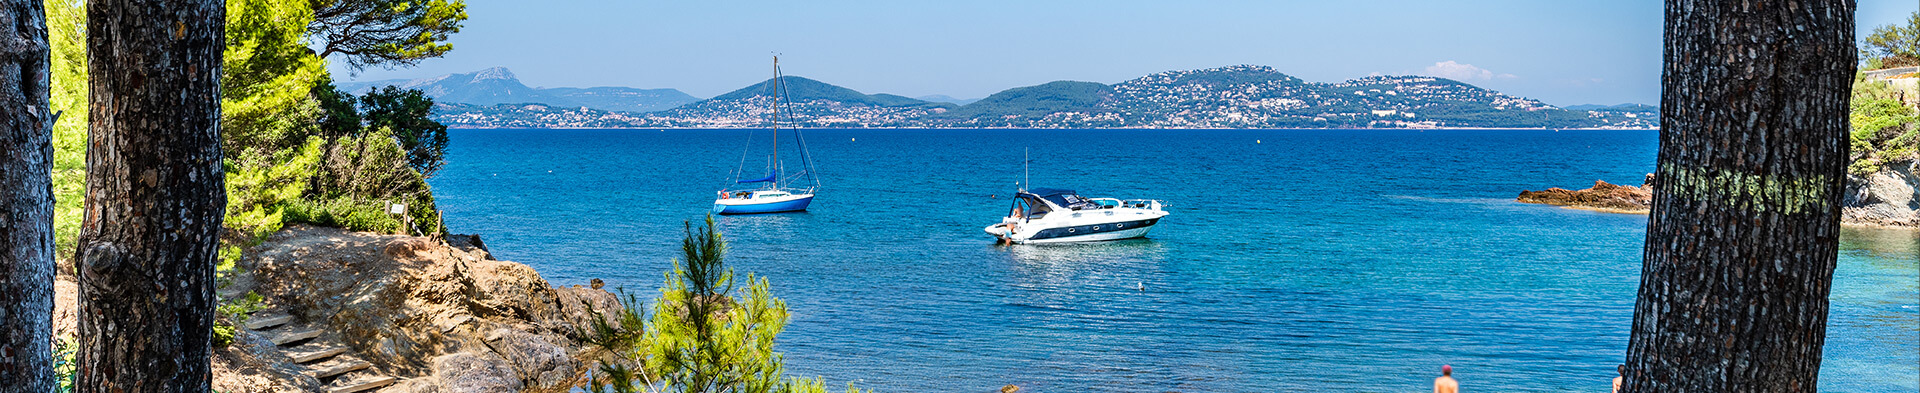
(1292, 261)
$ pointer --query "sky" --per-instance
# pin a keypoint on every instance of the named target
(1563, 52)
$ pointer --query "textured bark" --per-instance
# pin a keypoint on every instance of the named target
(155, 194)
(26, 200)
(1743, 235)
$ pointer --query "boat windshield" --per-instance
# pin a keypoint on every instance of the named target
(1032, 208)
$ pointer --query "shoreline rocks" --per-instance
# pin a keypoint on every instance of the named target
(1603, 196)
(1889, 198)
(432, 317)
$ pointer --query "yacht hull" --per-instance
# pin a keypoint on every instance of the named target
(1079, 233)
(735, 206)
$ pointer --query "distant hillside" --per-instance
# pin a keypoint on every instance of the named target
(1243, 96)
(946, 99)
(499, 86)
(1061, 103)
(812, 103)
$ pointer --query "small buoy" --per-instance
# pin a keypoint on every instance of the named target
(549, 171)
(1256, 141)
(1143, 286)
(853, 139)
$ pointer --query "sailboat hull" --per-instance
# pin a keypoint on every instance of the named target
(748, 206)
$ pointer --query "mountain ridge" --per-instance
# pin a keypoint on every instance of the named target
(498, 85)
(1239, 96)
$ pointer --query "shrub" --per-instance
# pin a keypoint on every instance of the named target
(343, 213)
(368, 171)
(1885, 130)
(700, 335)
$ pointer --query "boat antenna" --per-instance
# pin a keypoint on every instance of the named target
(1026, 164)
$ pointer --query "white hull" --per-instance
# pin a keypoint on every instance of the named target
(998, 230)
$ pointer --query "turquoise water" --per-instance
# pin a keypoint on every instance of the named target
(1294, 260)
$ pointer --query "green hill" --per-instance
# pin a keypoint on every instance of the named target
(802, 89)
(1035, 103)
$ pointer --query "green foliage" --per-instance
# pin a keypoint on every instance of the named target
(64, 368)
(230, 315)
(268, 73)
(339, 115)
(699, 335)
(361, 175)
(385, 32)
(1893, 46)
(259, 187)
(343, 213)
(406, 114)
(1885, 130)
(67, 36)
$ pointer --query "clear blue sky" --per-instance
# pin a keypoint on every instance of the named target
(1564, 52)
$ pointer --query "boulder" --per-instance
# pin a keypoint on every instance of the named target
(540, 362)
(475, 373)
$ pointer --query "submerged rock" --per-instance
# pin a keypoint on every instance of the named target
(1602, 196)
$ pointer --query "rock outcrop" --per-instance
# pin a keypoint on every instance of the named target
(1889, 198)
(1602, 196)
(423, 317)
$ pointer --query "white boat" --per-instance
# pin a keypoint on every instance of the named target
(776, 194)
(1052, 215)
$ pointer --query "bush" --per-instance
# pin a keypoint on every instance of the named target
(362, 174)
(700, 335)
(343, 213)
(259, 187)
(1885, 130)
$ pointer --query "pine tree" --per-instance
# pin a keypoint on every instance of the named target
(26, 201)
(1743, 235)
(155, 196)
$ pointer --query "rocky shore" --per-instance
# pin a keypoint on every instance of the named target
(345, 312)
(1888, 198)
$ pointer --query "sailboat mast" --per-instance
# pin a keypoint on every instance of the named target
(776, 121)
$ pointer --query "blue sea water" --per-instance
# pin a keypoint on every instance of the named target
(1294, 260)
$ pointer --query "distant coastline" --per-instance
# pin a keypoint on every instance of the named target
(1233, 97)
(1057, 128)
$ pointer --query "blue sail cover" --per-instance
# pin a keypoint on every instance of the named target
(771, 177)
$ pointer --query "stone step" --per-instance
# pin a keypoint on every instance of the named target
(360, 384)
(312, 352)
(296, 336)
(258, 322)
(232, 292)
(336, 366)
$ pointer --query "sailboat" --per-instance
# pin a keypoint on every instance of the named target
(774, 193)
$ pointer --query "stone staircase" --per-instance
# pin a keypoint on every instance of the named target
(320, 357)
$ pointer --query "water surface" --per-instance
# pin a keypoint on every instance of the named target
(1294, 260)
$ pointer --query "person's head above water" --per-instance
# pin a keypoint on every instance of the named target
(1622, 369)
(1446, 370)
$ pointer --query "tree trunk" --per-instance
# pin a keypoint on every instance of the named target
(155, 196)
(1743, 235)
(26, 200)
